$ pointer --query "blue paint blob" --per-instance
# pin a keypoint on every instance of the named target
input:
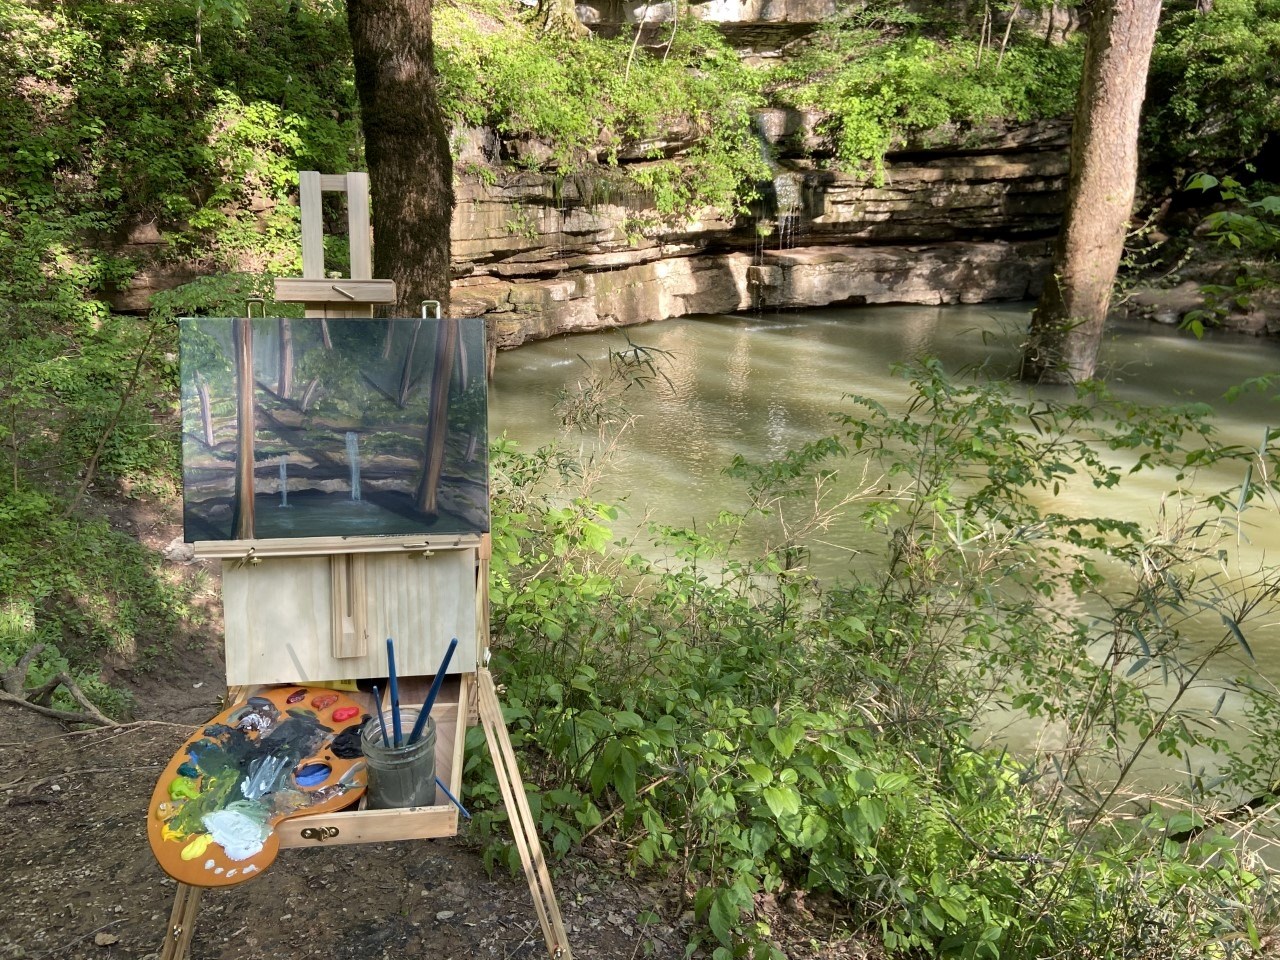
(189, 770)
(311, 774)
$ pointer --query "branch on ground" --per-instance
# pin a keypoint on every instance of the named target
(15, 691)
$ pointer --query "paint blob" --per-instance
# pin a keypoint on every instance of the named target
(265, 776)
(240, 834)
(324, 701)
(189, 770)
(312, 774)
(344, 713)
(296, 696)
(198, 845)
(183, 787)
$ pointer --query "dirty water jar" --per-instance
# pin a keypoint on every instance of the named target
(402, 776)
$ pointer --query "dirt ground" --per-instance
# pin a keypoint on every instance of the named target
(80, 879)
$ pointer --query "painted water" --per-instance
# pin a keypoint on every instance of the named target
(762, 384)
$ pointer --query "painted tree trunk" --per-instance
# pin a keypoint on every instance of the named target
(206, 410)
(242, 525)
(406, 145)
(438, 418)
(284, 380)
(1066, 327)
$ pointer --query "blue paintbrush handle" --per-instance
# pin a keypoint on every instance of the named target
(377, 708)
(452, 798)
(433, 693)
(395, 690)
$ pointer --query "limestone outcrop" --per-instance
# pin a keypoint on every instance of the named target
(958, 216)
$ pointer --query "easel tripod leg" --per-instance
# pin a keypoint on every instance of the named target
(182, 923)
(523, 826)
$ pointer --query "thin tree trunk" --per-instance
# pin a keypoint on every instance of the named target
(242, 346)
(438, 418)
(206, 410)
(284, 380)
(1066, 327)
(406, 145)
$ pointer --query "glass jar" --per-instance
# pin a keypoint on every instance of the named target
(403, 776)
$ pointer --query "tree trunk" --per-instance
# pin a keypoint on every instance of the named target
(561, 17)
(242, 523)
(438, 419)
(406, 146)
(1066, 327)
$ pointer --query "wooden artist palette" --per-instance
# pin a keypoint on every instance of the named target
(212, 817)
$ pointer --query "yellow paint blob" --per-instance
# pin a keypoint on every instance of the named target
(196, 847)
(171, 835)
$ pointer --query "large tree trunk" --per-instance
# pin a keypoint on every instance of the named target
(1066, 327)
(406, 145)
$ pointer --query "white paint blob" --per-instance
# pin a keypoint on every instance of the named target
(239, 836)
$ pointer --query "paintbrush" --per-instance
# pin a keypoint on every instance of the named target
(432, 693)
(452, 798)
(395, 689)
(377, 708)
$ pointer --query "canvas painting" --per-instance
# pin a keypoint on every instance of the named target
(333, 427)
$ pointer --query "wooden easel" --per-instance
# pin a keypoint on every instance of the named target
(341, 590)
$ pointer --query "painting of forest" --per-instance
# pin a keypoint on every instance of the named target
(333, 427)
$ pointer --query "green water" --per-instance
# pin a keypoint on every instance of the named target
(759, 385)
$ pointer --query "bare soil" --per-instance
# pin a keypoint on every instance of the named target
(80, 880)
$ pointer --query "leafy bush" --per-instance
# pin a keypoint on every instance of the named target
(589, 100)
(877, 88)
(1212, 83)
(721, 717)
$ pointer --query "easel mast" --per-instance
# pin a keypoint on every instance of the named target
(362, 590)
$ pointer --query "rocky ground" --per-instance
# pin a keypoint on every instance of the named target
(81, 881)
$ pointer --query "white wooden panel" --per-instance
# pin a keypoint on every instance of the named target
(333, 182)
(358, 226)
(278, 618)
(312, 223)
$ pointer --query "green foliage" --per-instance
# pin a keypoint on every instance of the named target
(1213, 76)
(722, 718)
(590, 100)
(191, 117)
(1250, 224)
(879, 89)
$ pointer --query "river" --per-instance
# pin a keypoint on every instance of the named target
(758, 385)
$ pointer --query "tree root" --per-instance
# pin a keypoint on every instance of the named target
(15, 691)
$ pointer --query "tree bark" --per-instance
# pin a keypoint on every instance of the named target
(561, 17)
(406, 146)
(1066, 327)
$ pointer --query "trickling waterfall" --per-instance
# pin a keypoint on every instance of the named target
(786, 191)
(353, 458)
(284, 484)
(778, 216)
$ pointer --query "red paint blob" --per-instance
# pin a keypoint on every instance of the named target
(344, 713)
(324, 701)
(296, 695)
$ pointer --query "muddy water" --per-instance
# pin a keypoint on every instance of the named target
(760, 385)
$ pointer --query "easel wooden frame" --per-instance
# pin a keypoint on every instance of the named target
(477, 699)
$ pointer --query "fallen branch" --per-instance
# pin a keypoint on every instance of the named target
(15, 691)
(125, 727)
(91, 715)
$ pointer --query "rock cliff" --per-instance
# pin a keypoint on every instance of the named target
(958, 216)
